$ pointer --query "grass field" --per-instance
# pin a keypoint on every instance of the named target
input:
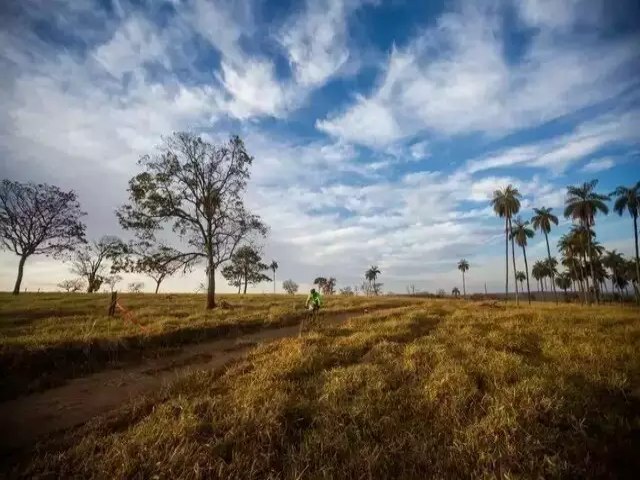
(46, 338)
(444, 389)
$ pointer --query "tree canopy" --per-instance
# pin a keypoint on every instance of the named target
(196, 189)
(38, 219)
(246, 268)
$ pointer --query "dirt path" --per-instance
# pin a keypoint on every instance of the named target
(34, 416)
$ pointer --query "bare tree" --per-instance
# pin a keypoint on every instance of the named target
(111, 281)
(72, 285)
(90, 262)
(38, 219)
(154, 260)
(135, 287)
(196, 188)
(290, 286)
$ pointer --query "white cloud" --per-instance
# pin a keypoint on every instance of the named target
(598, 165)
(80, 120)
(316, 40)
(454, 78)
(134, 43)
(560, 14)
(558, 153)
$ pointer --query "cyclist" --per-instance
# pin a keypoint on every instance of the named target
(314, 302)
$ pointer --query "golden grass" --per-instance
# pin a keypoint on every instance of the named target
(444, 390)
(45, 338)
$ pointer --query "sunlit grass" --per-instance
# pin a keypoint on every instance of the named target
(444, 389)
(45, 338)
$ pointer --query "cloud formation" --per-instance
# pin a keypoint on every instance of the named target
(398, 172)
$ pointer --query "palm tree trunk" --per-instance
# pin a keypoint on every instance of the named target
(526, 270)
(585, 279)
(506, 258)
(593, 277)
(464, 288)
(513, 257)
(274, 281)
(553, 283)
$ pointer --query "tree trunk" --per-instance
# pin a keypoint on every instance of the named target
(506, 258)
(464, 288)
(584, 280)
(158, 282)
(553, 283)
(211, 288)
(16, 288)
(593, 277)
(274, 282)
(526, 270)
(513, 257)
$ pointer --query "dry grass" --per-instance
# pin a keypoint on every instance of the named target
(45, 338)
(444, 390)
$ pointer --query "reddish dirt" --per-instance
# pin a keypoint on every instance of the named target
(35, 416)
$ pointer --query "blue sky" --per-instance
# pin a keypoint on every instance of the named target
(379, 129)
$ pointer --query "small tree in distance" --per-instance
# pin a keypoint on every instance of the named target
(111, 281)
(135, 287)
(72, 285)
(463, 266)
(38, 219)
(154, 260)
(371, 275)
(290, 287)
(246, 268)
(89, 261)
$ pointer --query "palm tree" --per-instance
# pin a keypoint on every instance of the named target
(506, 203)
(455, 292)
(542, 221)
(521, 277)
(569, 247)
(563, 281)
(521, 232)
(583, 204)
(371, 275)
(537, 271)
(274, 267)
(463, 266)
(612, 260)
(629, 198)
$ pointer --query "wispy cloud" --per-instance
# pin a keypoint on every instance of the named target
(455, 78)
(598, 165)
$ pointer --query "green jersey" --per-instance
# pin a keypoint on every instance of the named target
(314, 299)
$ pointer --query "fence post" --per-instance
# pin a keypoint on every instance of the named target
(112, 305)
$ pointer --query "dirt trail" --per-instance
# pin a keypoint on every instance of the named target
(35, 416)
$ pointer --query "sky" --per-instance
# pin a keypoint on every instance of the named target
(379, 129)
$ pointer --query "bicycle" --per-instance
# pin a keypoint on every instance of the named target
(312, 317)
